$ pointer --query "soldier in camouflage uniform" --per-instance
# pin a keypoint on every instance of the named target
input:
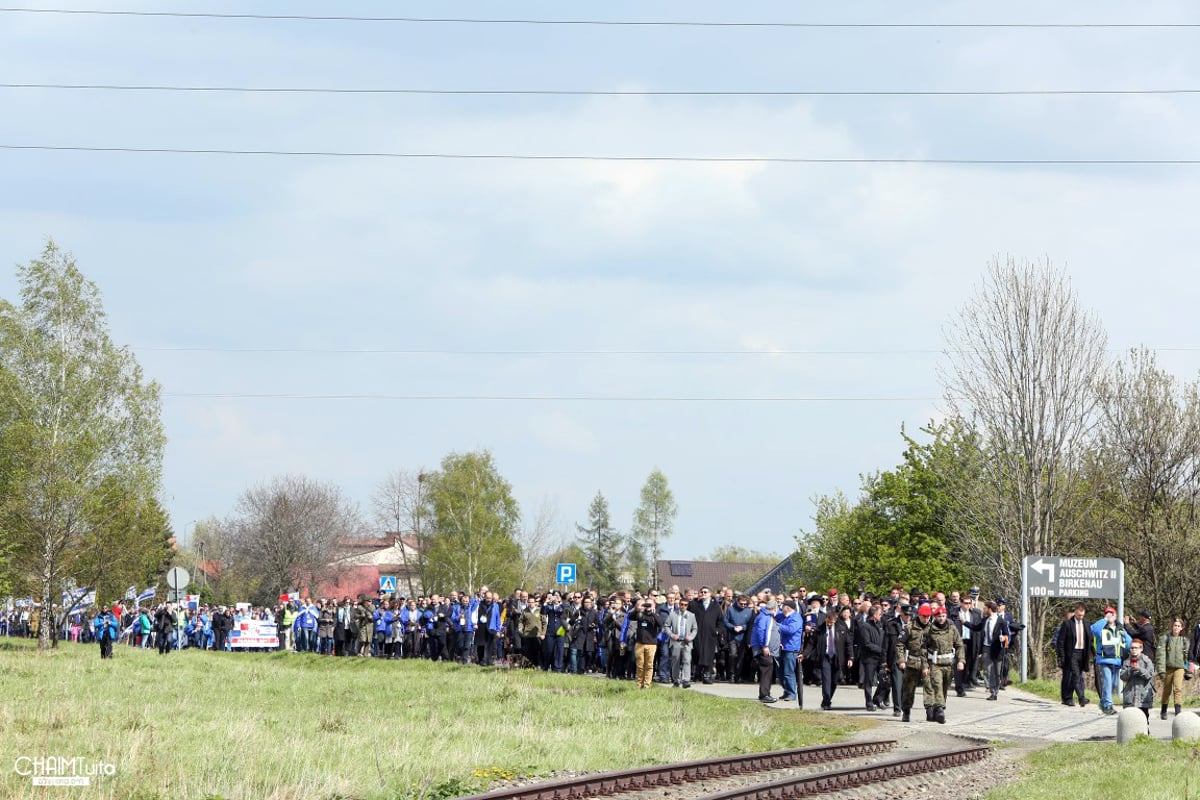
(910, 658)
(944, 653)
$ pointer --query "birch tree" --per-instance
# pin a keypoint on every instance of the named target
(81, 429)
(475, 527)
(1021, 359)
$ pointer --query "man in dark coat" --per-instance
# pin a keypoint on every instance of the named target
(832, 648)
(1076, 650)
(709, 618)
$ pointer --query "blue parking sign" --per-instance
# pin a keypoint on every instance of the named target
(566, 573)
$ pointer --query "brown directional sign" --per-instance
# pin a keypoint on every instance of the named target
(1089, 578)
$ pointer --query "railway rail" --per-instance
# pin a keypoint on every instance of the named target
(628, 780)
(610, 783)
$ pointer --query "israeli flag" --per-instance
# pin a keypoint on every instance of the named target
(131, 593)
(147, 595)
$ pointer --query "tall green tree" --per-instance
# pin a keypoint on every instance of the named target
(475, 525)
(654, 519)
(601, 546)
(130, 545)
(82, 426)
(897, 530)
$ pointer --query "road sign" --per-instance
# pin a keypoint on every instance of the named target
(1057, 576)
(566, 573)
(387, 584)
(1087, 578)
(177, 578)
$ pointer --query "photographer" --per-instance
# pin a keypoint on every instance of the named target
(644, 620)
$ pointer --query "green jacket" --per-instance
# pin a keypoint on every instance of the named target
(944, 645)
(1171, 653)
(910, 650)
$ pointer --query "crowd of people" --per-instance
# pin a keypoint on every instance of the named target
(885, 646)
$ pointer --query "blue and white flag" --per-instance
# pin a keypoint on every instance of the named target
(131, 593)
(78, 597)
(147, 595)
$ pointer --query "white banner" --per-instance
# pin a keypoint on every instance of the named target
(253, 634)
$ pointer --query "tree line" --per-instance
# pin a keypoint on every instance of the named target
(468, 530)
(1049, 447)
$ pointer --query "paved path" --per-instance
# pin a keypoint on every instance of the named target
(1016, 716)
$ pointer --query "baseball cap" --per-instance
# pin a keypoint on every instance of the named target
(790, 604)
(1110, 610)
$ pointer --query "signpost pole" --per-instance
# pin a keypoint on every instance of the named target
(1025, 619)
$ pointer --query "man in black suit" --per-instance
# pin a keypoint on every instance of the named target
(967, 621)
(993, 634)
(832, 647)
(1076, 649)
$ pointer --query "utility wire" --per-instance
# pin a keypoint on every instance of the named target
(580, 352)
(454, 352)
(648, 23)
(112, 87)
(1066, 162)
(545, 398)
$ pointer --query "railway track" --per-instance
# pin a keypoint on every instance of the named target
(803, 785)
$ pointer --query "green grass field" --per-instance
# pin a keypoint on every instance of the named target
(281, 725)
(1049, 689)
(1142, 770)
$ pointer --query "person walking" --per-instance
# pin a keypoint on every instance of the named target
(765, 643)
(868, 648)
(944, 650)
(1171, 661)
(710, 617)
(1111, 644)
(791, 638)
(831, 644)
(107, 629)
(681, 632)
(1076, 649)
(911, 660)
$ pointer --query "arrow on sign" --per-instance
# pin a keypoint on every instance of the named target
(1041, 567)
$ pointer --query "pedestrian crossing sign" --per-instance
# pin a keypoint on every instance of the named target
(387, 584)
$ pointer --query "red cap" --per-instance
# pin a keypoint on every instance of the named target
(833, 592)
(925, 611)
(1110, 610)
(940, 610)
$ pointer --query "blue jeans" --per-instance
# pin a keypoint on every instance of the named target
(1109, 673)
(788, 678)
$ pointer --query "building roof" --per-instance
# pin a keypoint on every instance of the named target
(713, 574)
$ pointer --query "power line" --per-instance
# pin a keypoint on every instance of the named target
(112, 87)
(468, 352)
(577, 352)
(1064, 162)
(544, 398)
(648, 23)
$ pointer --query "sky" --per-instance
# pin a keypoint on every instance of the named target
(759, 331)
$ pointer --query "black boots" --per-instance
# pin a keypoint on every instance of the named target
(929, 713)
(939, 715)
(1163, 715)
(1177, 709)
(905, 717)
